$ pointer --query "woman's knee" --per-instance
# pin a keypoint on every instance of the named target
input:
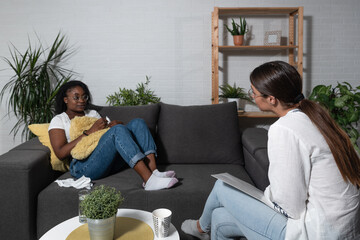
(223, 225)
(136, 122)
(218, 185)
(119, 128)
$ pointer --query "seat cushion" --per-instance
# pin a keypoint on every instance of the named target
(186, 199)
(199, 134)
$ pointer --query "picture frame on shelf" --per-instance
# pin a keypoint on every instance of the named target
(272, 38)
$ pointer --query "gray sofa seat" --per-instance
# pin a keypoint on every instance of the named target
(195, 141)
(186, 200)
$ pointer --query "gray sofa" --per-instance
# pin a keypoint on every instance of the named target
(195, 141)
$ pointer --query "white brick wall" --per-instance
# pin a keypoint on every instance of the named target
(120, 42)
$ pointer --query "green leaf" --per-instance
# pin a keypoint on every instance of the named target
(353, 133)
(353, 116)
(340, 102)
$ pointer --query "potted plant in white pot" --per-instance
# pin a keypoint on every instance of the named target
(100, 208)
(238, 31)
(234, 94)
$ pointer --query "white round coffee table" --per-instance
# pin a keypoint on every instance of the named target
(62, 230)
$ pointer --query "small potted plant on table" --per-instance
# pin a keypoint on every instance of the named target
(100, 208)
(234, 94)
(238, 31)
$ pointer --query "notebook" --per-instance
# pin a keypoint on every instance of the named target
(244, 187)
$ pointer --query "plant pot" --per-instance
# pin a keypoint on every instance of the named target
(102, 229)
(251, 107)
(238, 40)
(239, 102)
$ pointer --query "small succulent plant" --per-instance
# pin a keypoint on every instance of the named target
(238, 29)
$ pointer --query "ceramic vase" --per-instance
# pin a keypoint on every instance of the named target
(237, 100)
(238, 40)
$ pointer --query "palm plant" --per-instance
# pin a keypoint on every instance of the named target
(38, 76)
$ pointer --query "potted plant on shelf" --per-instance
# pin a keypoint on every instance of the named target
(128, 97)
(100, 208)
(234, 94)
(343, 104)
(238, 31)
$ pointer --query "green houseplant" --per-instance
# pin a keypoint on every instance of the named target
(100, 208)
(228, 91)
(343, 104)
(238, 31)
(142, 95)
(233, 93)
(38, 74)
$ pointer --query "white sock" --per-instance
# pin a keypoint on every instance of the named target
(157, 183)
(166, 174)
(190, 227)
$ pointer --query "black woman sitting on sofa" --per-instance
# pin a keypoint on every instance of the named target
(133, 142)
(314, 173)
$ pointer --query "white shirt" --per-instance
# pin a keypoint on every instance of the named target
(62, 121)
(306, 182)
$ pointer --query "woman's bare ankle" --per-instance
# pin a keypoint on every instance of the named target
(198, 227)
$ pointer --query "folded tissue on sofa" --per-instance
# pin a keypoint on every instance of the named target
(83, 182)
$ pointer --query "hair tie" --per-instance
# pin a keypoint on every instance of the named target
(299, 98)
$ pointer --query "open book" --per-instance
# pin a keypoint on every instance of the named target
(244, 187)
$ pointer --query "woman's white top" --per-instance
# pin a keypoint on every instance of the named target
(306, 182)
(62, 121)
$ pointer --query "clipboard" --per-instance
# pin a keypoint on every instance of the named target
(244, 187)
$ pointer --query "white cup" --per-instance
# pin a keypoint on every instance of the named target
(162, 220)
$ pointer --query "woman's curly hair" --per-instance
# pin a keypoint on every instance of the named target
(60, 105)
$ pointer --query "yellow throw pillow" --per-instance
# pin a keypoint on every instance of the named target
(41, 130)
(88, 143)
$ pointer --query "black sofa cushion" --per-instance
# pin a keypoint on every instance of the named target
(125, 114)
(186, 199)
(199, 134)
(254, 141)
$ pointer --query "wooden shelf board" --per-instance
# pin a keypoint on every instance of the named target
(224, 48)
(258, 11)
(256, 114)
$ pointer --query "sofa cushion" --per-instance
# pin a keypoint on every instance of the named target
(186, 199)
(125, 114)
(256, 158)
(41, 130)
(254, 139)
(199, 134)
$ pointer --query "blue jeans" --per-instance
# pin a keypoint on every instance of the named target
(119, 145)
(229, 213)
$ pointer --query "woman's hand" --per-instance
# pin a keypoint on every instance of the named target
(115, 122)
(98, 125)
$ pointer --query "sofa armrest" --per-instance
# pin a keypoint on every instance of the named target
(24, 172)
(254, 142)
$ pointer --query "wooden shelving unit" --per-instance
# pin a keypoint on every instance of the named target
(256, 114)
(295, 52)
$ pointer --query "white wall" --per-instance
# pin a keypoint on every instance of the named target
(120, 42)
